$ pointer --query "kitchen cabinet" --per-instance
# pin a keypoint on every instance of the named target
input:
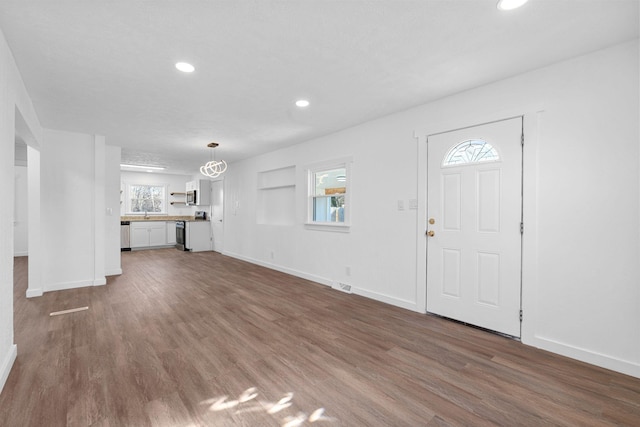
(171, 232)
(148, 234)
(202, 189)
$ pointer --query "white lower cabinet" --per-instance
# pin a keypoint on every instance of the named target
(171, 232)
(139, 235)
(146, 234)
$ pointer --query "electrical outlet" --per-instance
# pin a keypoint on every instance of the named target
(400, 205)
(347, 270)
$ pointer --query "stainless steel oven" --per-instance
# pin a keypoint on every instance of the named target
(181, 236)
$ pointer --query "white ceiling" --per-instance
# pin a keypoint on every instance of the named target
(107, 67)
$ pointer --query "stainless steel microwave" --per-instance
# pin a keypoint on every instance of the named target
(191, 198)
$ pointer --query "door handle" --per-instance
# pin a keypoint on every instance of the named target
(431, 233)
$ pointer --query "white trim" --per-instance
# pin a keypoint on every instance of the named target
(17, 254)
(397, 302)
(532, 126)
(328, 226)
(406, 304)
(310, 170)
(115, 272)
(421, 225)
(99, 209)
(297, 273)
(36, 264)
(33, 293)
(531, 117)
(62, 286)
(7, 364)
(50, 287)
(585, 355)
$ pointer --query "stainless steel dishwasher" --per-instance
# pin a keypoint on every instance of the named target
(125, 237)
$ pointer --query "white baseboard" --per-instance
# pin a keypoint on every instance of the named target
(17, 254)
(32, 293)
(115, 272)
(409, 305)
(584, 355)
(63, 286)
(7, 364)
(297, 273)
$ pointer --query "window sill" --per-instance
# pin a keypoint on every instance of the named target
(327, 226)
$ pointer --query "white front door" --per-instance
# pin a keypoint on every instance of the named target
(217, 214)
(475, 212)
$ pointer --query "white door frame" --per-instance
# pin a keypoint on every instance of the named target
(223, 226)
(504, 242)
(532, 118)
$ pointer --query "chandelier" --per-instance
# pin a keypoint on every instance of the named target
(213, 169)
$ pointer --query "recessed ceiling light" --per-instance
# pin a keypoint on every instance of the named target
(302, 103)
(158, 168)
(510, 4)
(185, 67)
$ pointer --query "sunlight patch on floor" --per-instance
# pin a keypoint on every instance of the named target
(248, 402)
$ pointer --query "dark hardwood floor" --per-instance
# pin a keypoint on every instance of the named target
(200, 339)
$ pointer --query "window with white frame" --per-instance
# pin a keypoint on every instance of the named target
(147, 199)
(329, 194)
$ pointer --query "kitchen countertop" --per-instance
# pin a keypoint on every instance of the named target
(135, 218)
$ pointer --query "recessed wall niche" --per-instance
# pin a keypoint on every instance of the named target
(276, 196)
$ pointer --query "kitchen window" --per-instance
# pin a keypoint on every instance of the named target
(329, 196)
(147, 199)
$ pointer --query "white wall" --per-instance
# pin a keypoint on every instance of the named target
(70, 177)
(582, 216)
(13, 98)
(582, 193)
(20, 237)
(175, 183)
(74, 198)
(112, 211)
(34, 231)
(67, 199)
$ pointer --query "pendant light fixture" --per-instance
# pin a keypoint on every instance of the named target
(213, 169)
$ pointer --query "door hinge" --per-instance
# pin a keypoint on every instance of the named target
(522, 139)
(521, 315)
(522, 228)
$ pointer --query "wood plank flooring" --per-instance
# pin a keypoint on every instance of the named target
(200, 339)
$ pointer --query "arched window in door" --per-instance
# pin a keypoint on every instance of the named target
(471, 151)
